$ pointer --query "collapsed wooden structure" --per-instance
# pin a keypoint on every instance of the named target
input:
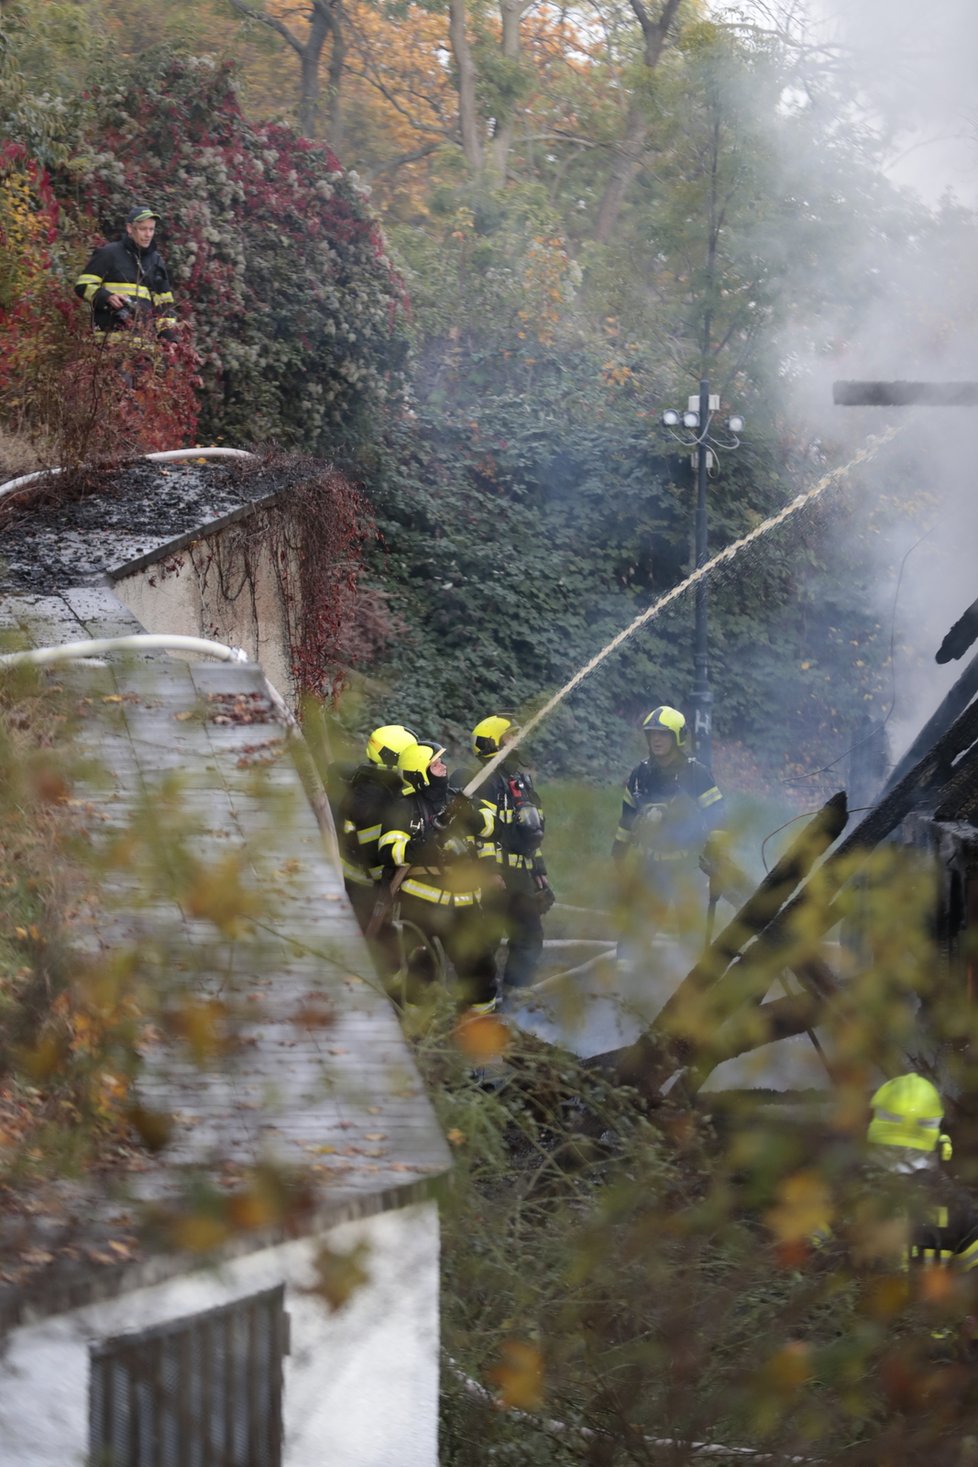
(929, 801)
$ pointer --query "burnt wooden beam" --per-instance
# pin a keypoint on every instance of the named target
(950, 708)
(905, 394)
(960, 637)
(663, 1047)
(785, 875)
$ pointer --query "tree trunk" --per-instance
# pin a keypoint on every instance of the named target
(320, 25)
(511, 13)
(630, 151)
(334, 79)
(469, 121)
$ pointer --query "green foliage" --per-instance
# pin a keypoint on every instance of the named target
(530, 510)
(276, 259)
(620, 1276)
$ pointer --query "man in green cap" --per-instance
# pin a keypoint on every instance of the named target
(126, 282)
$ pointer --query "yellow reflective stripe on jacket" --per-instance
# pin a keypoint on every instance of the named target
(354, 874)
(395, 841)
(92, 283)
(365, 836)
(708, 798)
(127, 288)
(412, 887)
(968, 1257)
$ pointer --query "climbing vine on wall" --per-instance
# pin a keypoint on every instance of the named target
(313, 534)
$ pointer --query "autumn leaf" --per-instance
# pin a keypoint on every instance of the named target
(219, 894)
(519, 1377)
(481, 1037)
(804, 1208)
(199, 1232)
(339, 1275)
(790, 1367)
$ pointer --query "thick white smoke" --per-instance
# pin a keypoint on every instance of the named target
(909, 75)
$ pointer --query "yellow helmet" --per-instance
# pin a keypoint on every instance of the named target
(414, 763)
(669, 720)
(487, 736)
(386, 743)
(907, 1111)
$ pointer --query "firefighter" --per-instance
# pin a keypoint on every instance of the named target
(907, 1149)
(359, 796)
(671, 820)
(428, 849)
(126, 282)
(524, 894)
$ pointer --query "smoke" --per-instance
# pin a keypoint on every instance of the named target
(914, 65)
(902, 88)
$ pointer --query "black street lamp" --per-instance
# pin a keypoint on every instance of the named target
(697, 421)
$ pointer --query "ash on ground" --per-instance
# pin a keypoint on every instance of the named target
(59, 533)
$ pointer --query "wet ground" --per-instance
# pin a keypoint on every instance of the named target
(591, 1002)
(75, 534)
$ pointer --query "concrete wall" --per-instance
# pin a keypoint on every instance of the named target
(361, 1384)
(225, 587)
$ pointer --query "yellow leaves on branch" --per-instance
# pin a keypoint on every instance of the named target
(481, 1037)
(804, 1208)
(219, 894)
(519, 1377)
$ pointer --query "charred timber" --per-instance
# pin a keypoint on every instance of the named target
(960, 637)
(664, 1047)
(952, 706)
(930, 773)
(905, 394)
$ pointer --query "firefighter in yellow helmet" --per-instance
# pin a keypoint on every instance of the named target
(906, 1142)
(671, 812)
(429, 853)
(524, 892)
(359, 796)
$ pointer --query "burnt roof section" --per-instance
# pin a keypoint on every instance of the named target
(61, 532)
(318, 1080)
(904, 394)
(961, 636)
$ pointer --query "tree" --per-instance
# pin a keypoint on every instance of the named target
(323, 20)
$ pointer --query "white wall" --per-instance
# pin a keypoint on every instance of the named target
(208, 590)
(361, 1384)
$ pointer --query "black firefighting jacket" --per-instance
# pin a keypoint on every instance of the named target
(518, 821)
(691, 805)
(433, 838)
(939, 1219)
(360, 797)
(140, 277)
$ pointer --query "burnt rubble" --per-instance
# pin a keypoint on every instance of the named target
(58, 533)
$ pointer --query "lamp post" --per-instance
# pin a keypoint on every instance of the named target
(697, 420)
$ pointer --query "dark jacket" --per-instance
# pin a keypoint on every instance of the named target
(940, 1221)
(360, 797)
(434, 840)
(140, 277)
(518, 822)
(688, 799)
